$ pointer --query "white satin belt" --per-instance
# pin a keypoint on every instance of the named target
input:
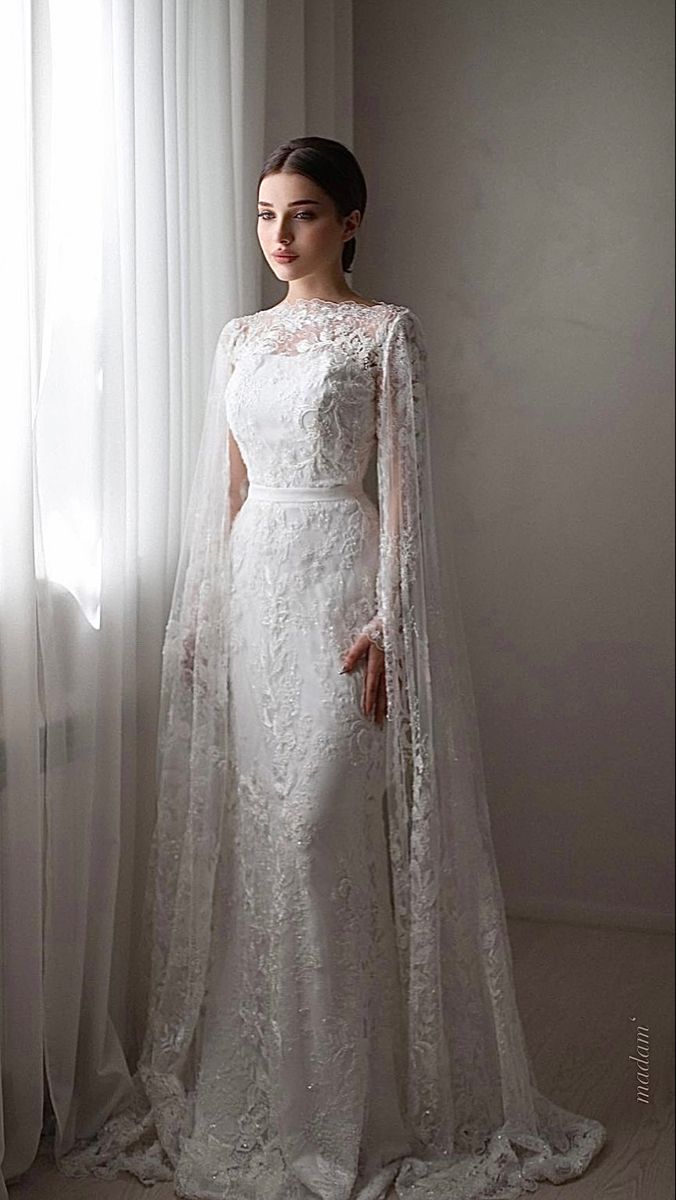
(334, 491)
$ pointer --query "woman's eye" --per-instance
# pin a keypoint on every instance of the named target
(298, 214)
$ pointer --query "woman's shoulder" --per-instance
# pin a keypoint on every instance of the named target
(402, 313)
(403, 322)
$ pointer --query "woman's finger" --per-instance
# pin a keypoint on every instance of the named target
(355, 652)
(374, 670)
(371, 680)
(364, 647)
(381, 700)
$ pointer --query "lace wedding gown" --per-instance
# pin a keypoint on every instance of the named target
(331, 1003)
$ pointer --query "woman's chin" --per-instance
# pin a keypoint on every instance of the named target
(282, 268)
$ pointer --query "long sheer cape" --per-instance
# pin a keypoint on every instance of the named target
(480, 1126)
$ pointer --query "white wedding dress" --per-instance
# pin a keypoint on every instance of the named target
(350, 1015)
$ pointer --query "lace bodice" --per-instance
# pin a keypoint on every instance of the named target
(302, 396)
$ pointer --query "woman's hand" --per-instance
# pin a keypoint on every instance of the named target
(374, 692)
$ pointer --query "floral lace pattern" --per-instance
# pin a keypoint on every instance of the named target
(331, 1002)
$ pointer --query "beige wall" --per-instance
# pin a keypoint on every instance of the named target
(518, 154)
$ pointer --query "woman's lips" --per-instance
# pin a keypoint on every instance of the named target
(285, 257)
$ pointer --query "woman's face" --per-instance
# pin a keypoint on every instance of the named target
(297, 217)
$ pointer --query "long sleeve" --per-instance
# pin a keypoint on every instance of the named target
(400, 426)
(189, 577)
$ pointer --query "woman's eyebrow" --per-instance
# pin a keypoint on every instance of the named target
(266, 204)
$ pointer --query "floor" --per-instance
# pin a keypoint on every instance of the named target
(581, 993)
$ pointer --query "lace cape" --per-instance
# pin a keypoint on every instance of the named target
(479, 1124)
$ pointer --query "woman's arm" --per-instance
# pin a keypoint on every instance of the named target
(239, 478)
(402, 439)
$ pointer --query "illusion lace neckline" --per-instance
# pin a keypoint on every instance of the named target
(289, 304)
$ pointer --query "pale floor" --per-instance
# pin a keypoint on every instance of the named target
(578, 990)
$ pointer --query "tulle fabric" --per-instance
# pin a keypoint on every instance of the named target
(479, 1127)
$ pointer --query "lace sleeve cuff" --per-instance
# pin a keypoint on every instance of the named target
(374, 631)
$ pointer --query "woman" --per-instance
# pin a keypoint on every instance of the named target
(332, 1010)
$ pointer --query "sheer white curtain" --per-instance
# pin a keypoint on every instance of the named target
(131, 136)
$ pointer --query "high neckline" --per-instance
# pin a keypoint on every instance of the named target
(320, 300)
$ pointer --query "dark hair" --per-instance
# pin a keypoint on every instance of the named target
(332, 167)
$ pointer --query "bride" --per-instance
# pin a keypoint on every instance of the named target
(332, 1012)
